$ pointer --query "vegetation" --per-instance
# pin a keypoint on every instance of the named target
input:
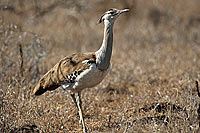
(152, 85)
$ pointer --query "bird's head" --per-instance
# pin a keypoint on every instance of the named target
(111, 15)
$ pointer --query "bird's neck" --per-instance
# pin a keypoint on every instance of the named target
(105, 51)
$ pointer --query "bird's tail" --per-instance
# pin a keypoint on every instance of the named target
(39, 90)
(53, 78)
(46, 83)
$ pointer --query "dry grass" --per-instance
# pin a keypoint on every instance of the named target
(155, 63)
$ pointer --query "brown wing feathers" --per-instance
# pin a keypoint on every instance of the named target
(58, 75)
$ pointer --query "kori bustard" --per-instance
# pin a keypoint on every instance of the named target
(83, 70)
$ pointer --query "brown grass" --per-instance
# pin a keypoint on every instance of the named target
(150, 88)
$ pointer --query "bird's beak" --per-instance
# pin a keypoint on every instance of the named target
(124, 10)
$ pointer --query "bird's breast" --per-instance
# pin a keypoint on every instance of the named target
(89, 78)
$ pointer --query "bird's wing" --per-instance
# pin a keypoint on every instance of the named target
(64, 71)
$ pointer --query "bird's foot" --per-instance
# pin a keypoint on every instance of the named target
(83, 126)
(85, 130)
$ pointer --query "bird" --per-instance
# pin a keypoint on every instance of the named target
(82, 70)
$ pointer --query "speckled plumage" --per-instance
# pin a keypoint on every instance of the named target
(65, 71)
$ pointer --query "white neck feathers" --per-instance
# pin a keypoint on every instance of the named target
(104, 53)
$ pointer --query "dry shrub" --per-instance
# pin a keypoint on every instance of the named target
(150, 88)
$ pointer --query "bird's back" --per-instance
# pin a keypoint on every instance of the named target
(65, 71)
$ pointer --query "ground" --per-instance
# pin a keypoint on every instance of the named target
(152, 85)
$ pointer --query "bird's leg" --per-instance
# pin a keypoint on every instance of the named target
(78, 104)
(80, 101)
(74, 99)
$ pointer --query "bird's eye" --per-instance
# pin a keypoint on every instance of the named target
(111, 13)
